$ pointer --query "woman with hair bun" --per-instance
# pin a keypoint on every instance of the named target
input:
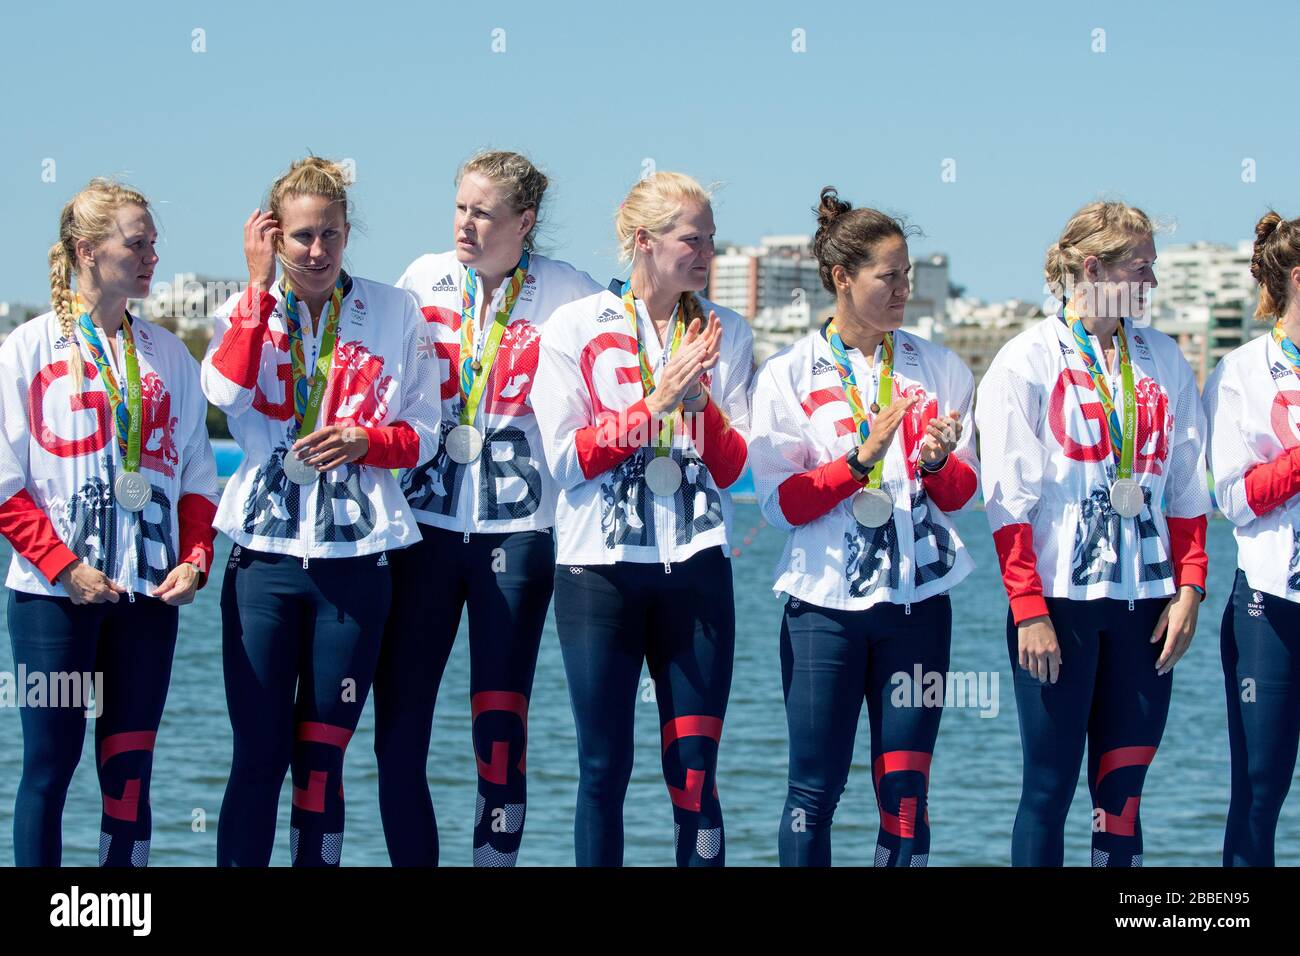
(317, 374)
(641, 402)
(1254, 454)
(108, 487)
(1092, 449)
(862, 446)
(485, 504)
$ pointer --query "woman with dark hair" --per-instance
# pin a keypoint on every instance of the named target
(861, 447)
(1254, 454)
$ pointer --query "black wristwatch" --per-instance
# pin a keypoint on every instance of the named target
(855, 466)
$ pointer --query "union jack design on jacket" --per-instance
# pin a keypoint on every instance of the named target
(1047, 468)
(1252, 401)
(59, 459)
(802, 430)
(354, 509)
(508, 487)
(597, 434)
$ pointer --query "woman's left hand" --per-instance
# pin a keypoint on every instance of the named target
(941, 437)
(180, 585)
(331, 446)
(1177, 624)
(712, 335)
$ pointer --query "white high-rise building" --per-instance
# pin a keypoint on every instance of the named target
(1205, 299)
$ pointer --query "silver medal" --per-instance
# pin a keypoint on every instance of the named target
(132, 491)
(464, 444)
(298, 471)
(872, 507)
(1126, 498)
(663, 476)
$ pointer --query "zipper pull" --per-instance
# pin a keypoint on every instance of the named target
(304, 562)
(466, 539)
(130, 596)
(907, 608)
(1130, 604)
(668, 568)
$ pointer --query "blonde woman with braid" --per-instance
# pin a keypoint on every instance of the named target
(641, 399)
(108, 487)
(316, 372)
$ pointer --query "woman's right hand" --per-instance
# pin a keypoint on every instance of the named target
(87, 585)
(261, 232)
(882, 432)
(696, 354)
(1040, 654)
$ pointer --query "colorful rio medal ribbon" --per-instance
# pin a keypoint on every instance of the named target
(465, 441)
(872, 506)
(131, 489)
(663, 476)
(1125, 493)
(309, 392)
(1287, 346)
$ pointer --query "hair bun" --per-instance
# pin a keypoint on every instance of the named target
(831, 207)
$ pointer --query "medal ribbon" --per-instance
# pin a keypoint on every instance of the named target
(665, 440)
(474, 380)
(1122, 440)
(1287, 346)
(308, 392)
(127, 416)
(884, 393)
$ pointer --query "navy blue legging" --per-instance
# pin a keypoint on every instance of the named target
(1260, 643)
(131, 644)
(1109, 696)
(682, 624)
(506, 579)
(299, 647)
(830, 661)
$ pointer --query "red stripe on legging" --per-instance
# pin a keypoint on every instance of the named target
(694, 725)
(1122, 757)
(318, 733)
(116, 744)
(127, 808)
(313, 798)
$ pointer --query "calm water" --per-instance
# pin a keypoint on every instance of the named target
(975, 779)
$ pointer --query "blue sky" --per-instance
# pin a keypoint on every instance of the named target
(1036, 122)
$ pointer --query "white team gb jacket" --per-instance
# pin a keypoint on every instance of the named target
(588, 372)
(1046, 460)
(357, 508)
(61, 446)
(801, 420)
(1252, 401)
(509, 487)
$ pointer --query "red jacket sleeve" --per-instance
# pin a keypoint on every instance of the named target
(721, 447)
(806, 497)
(602, 446)
(1270, 484)
(1187, 551)
(195, 513)
(32, 535)
(240, 351)
(952, 485)
(1015, 546)
(392, 446)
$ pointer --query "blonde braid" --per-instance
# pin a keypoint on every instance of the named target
(62, 298)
